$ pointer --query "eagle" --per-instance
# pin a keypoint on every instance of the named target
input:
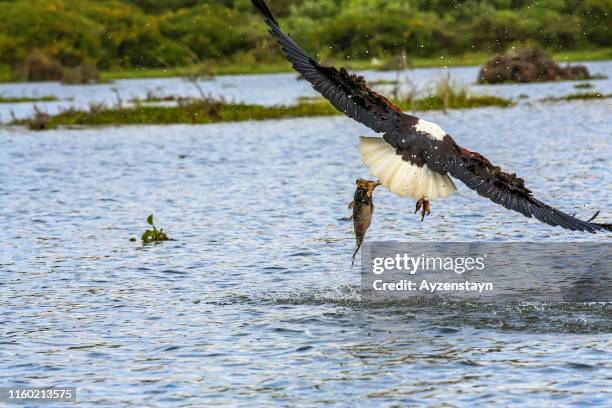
(415, 157)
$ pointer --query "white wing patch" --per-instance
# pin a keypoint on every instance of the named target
(399, 176)
(433, 130)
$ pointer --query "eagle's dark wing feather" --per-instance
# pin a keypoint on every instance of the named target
(347, 93)
(508, 190)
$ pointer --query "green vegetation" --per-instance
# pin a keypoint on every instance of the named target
(583, 85)
(444, 95)
(384, 82)
(71, 40)
(20, 99)
(152, 97)
(188, 111)
(206, 110)
(578, 96)
(39, 121)
(153, 235)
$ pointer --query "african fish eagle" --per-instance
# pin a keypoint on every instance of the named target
(415, 157)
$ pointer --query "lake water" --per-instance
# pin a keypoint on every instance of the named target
(255, 302)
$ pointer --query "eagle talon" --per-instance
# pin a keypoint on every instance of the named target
(423, 205)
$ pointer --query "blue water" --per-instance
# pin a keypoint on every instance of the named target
(255, 302)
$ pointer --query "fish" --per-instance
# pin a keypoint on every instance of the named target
(363, 208)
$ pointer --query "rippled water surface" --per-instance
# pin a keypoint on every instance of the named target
(255, 302)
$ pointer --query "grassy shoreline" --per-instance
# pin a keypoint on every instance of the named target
(578, 96)
(206, 111)
(198, 111)
(26, 99)
(240, 68)
(230, 67)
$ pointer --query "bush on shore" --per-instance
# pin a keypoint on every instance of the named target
(528, 65)
(39, 66)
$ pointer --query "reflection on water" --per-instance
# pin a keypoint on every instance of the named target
(255, 302)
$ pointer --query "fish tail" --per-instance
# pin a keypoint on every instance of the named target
(356, 250)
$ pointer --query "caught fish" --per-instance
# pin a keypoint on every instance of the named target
(363, 208)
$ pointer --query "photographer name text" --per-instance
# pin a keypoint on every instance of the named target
(431, 287)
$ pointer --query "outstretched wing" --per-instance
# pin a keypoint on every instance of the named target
(347, 93)
(508, 190)
(418, 142)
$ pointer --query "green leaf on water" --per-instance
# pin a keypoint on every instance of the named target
(153, 235)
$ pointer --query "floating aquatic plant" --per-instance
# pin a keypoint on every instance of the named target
(153, 235)
(578, 96)
(27, 99)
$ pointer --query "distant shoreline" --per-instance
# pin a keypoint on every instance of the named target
(281, 66)
(238, 68)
